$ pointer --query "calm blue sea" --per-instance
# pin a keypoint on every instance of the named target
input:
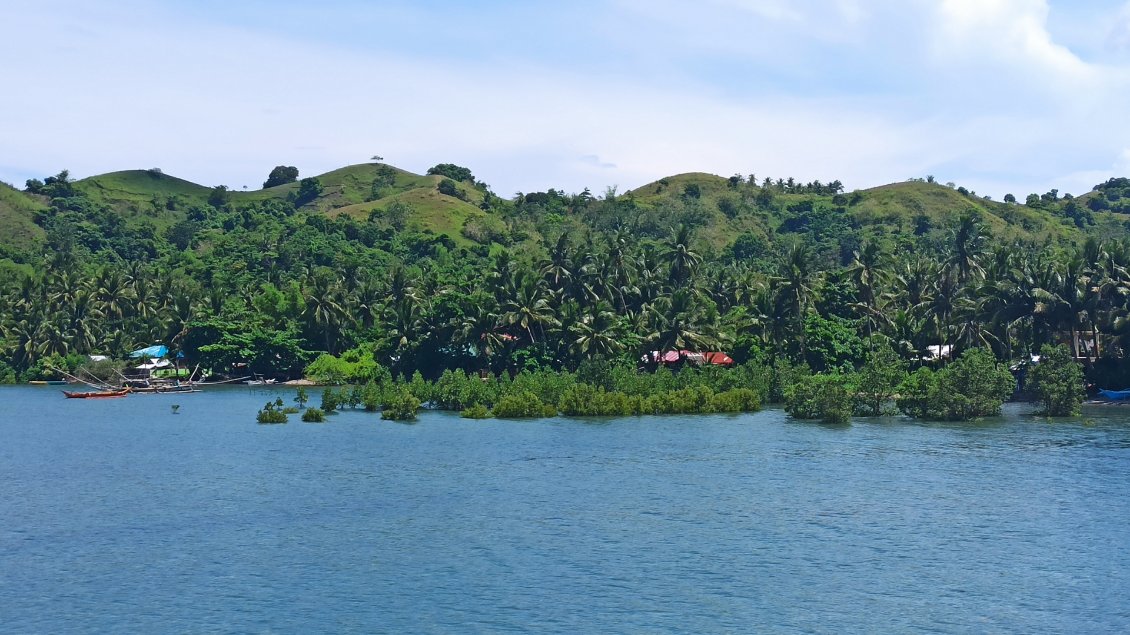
(118, 516)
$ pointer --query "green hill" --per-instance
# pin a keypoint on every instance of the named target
(119, 189)
(19, 235)
(721, 209)
(346, 191)
(725, 208)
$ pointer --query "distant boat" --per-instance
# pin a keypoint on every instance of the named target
(167, 390)
(100, 394)
(48, 382)
(259, 381)
(1115, 395)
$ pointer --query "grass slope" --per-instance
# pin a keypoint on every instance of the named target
(888, 209)
(431, 211)
(898, 205)
(347, 190)
(19, 235)
(137, 187)
(893, 208)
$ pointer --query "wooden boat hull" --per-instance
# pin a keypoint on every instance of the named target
(106, 394)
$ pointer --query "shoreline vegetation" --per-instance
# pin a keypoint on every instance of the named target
(917, 296)
(972, 387)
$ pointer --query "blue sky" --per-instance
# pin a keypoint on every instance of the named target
(998, 95)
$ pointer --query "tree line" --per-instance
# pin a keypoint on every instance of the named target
(266, 287)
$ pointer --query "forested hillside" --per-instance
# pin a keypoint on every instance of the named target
(429, 272)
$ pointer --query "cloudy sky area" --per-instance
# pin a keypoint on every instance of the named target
(998, 95)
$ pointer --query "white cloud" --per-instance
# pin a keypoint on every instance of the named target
(1011, 34)
(139, 87)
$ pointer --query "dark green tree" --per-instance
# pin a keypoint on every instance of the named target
(1058, 380)
(281, 175)
(308, 190)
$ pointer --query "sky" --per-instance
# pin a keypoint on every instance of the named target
(1000, 96)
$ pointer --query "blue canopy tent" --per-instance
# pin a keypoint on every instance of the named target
(154, 352)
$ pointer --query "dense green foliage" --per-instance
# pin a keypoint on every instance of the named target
(477, 411)
(973, 386)
(1058, 380)
(878, 382)
(272, 412)
(366, 276)
(401, 406)
(314, 415)
(824, 397)
(281, 175)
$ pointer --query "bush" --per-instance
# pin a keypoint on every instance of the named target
(547, 385)
(447, 187)
(878, 381)
(420, 388)
(354, 366)
(452, 171)
(973, 386)
(327, 369)
(583, 400)
(784, 374)
(477, 411)
(915, 396)
(272, 413)
(401, 407)
(520, 405)
(314, 415)
(736, 400)
(1058, 380)
(694, 400)
(331, 400)
(824, 397)
(372, 397)
(456, 390)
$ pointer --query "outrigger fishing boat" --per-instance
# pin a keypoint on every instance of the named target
(96, 394)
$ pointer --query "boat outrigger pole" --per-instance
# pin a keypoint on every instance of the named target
(81, 381)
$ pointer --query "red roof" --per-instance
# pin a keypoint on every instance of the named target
(715, 358)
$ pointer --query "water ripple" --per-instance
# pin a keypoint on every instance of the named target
(117, 519)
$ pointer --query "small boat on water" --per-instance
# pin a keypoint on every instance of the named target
(1115, 395)
(97, 394)
(167, 390)
(258, 380)
(48, 382)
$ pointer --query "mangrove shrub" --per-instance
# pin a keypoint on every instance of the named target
(522, 405)
(878, 381)
(477, 411)
(973, 386)
(1058, 380)
(314, 415)
(824, 397)
(402, 406)
(272, 412)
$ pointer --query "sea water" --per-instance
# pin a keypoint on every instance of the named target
(121, 516)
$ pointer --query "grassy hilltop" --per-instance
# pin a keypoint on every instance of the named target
(720, 209)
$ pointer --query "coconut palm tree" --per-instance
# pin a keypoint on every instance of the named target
(867, 274)
(529, 307)
(967, 247)
(323, 309)
(678, 323)
(794, 287)
(599, 332)
(681, 259)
